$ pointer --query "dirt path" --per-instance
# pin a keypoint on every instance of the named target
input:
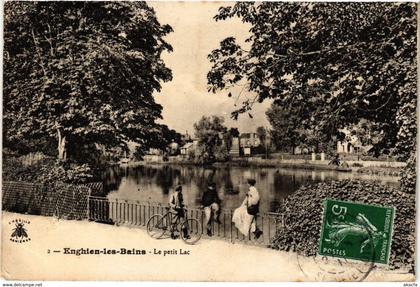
(209, 260)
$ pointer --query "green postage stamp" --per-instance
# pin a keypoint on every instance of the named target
(356, 231)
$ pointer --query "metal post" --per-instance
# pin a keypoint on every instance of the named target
(231, 224)
(88, 207)
(96, 210)
(136, 214)
(132, 213)
(100, 204)
(125, 211)
(119, 212)
(103, 204)
(149, 211)
(144, 214)
(104, 210)
(224, 225)
(202, 221)
(111, 209)
(218, 228)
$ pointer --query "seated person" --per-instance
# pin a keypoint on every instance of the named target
(211, 204)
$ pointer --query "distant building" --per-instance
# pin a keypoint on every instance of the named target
(250, 140)
(247, 151)
(173, 148)
(154, 151)
(351, 145)
(186, 137)
(302, 150)
(186, 148)
(173, 145)
(190, 148)
(235, 149)
(248, 143)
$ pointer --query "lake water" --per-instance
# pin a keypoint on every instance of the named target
(155, 182)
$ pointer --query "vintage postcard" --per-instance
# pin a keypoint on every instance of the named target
(209, 141)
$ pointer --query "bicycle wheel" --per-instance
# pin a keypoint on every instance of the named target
(157, 225)
(191, 231)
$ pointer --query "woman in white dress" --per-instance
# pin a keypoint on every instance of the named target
(244, 217)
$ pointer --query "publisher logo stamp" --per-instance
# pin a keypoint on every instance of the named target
(356, 231)
(19, 232)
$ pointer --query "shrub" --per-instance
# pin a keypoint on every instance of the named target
(47, 170)
(408, 175)
(303, 211)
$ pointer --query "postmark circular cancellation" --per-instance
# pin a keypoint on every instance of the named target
(324, 268)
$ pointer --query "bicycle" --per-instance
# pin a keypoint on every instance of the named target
(191, 229)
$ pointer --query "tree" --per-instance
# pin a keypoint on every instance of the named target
(163, 136)
(261, 134)
(367, 133)
(210, 132)
(82, 73)
(287, 129)
(159, 138)
(228, 137)
(234, 132)
(341, 62)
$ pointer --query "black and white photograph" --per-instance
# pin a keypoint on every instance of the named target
(209, 141)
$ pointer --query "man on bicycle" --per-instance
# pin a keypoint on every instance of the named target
(176, 203)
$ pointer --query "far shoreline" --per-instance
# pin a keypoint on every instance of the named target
(364, 167)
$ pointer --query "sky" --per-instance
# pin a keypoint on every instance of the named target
(185, 99)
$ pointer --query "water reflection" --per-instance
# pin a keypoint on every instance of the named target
(155, 182)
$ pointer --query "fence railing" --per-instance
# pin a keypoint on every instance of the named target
(57, 199)
(137, 213)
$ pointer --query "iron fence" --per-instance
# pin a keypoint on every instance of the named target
(137, 213)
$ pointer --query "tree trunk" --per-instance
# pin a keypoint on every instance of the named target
(62, 154)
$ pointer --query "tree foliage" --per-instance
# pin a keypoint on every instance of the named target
(211, 134)
(82, 73)
(261, 134)
(289, 131)
(367, 133)
(159, 138)
(228, 137)
(287, 128)
(162, 136)
(339, 62)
